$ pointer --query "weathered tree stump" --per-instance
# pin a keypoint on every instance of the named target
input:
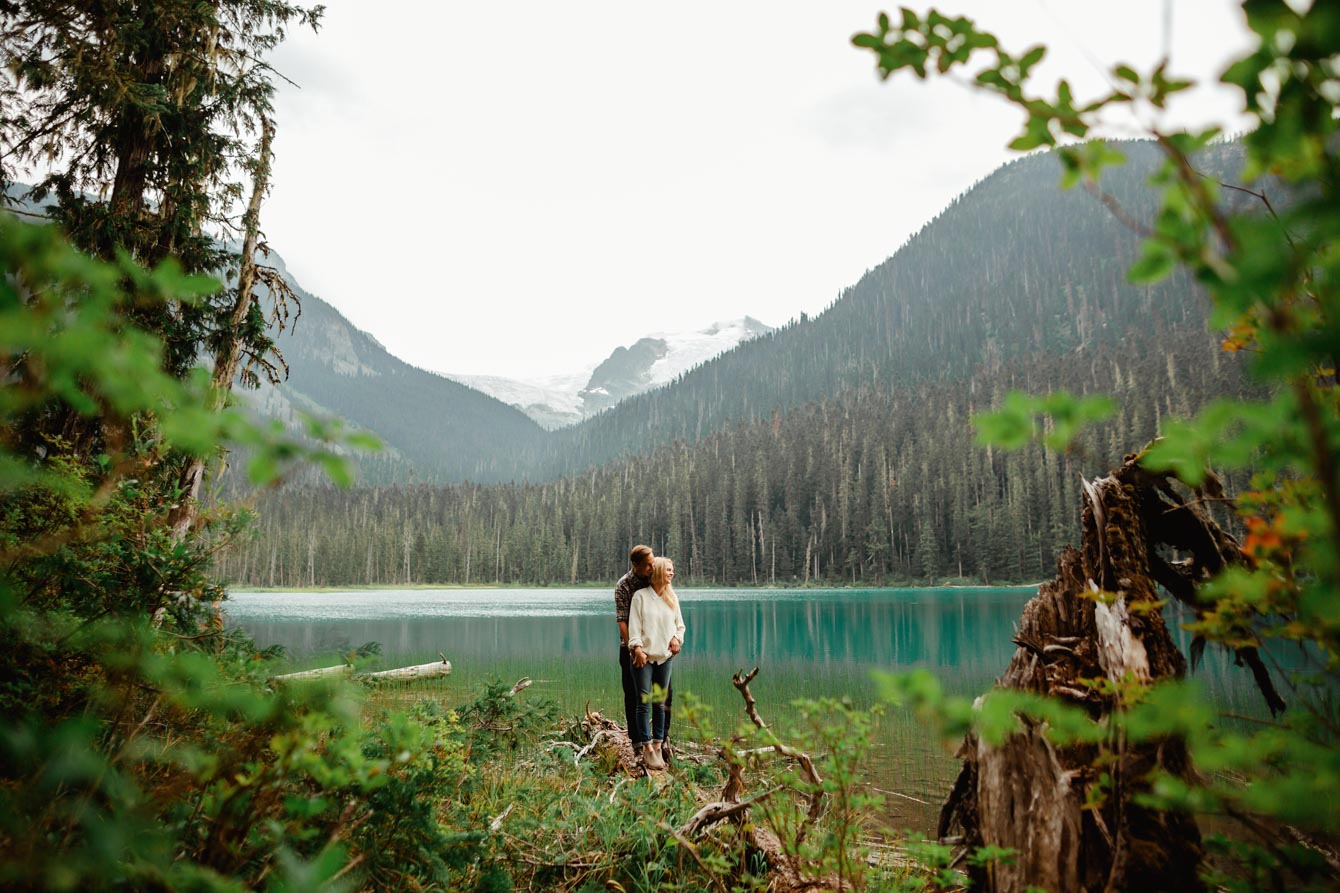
(1028, 794)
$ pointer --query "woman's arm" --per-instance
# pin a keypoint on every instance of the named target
(677, 640)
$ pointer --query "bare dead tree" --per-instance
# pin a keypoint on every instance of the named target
(732, 805)
(1099, 618)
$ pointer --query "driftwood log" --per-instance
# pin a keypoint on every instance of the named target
(421, 671)
(1097, 619)
(318, 673)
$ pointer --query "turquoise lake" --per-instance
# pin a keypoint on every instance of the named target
(808, 643)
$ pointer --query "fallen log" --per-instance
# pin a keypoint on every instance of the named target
(420, 671)
(1075, 824)
(717, 810)
(319, 673)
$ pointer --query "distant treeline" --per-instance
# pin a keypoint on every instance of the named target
(883, 485)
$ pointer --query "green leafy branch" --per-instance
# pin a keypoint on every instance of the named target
(64, 342)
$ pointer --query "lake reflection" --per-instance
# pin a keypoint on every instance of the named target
(964, 631)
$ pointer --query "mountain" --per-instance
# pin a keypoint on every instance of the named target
(432, 427)
(551, 401)
(654, 360)
(837, 448)
(660, 359)
(1013, 267)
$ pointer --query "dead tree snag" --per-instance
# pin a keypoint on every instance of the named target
(1098, 619)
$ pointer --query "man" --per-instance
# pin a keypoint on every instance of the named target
(638, 577)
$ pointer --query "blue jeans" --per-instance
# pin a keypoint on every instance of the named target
(653, 719)
(628, 678)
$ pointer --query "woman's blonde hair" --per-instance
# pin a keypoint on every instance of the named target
(660, 581)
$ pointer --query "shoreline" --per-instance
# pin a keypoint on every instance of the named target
(537, 587)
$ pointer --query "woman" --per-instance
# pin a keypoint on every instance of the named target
(655, 634)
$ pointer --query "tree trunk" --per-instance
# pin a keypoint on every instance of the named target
(230, 352)
(1029, 794)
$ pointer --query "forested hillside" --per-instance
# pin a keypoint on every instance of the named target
(835, 449)
(438, 427)
(880, 485)
(1015, 266)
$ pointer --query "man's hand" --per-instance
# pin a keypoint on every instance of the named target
(639, 657)
(674, 647)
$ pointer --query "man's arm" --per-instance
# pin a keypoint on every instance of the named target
(623, 598)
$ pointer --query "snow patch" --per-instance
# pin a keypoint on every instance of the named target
(556, 401)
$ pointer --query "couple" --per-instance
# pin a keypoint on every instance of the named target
(651, 632)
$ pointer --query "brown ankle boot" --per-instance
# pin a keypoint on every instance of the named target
(651, 756)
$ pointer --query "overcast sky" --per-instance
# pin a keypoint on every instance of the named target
(516, 188)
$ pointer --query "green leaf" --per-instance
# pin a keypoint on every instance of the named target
(1156, 261)
(1037, 132)
(337, 468)
(361, 440)
(262, 469)
(1011, 427)
(1071, 415)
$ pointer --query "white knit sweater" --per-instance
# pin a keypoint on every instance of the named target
(652, 625)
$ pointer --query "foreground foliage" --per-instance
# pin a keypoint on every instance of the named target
(143, 748)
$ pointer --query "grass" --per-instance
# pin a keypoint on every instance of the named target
(906, 765)
(560, 823)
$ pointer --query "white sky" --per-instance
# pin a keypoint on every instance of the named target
(516, 187)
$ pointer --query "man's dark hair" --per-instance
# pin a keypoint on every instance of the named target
(639, 554)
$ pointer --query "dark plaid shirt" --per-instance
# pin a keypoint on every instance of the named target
(623, 594)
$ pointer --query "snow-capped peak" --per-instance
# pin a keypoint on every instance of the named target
(684, 350)
(556, 401)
